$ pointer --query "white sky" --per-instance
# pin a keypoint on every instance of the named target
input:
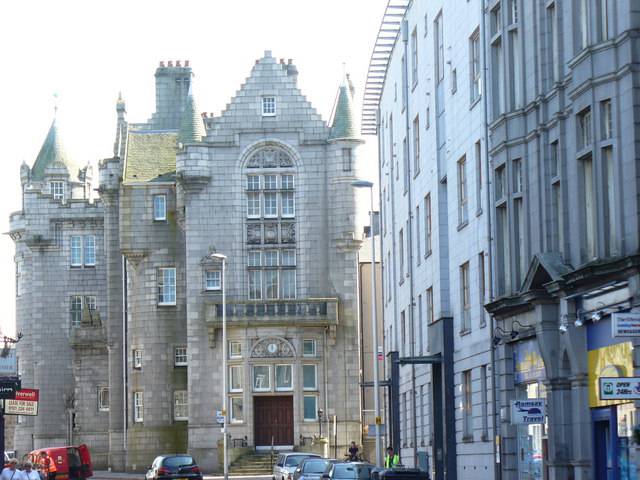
(88, 51)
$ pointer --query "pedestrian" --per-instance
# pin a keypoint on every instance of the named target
(353, 452)
(11, 472)
(29, 473)
(48, 467)
(391, 460)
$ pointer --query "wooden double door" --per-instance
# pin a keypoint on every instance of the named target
(273, 420)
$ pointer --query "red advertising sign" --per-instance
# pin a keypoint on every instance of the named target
(24, 403)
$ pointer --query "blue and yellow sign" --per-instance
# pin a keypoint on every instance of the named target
(610, 361)
(528, 362)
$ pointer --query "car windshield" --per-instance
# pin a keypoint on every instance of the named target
(179, 461)
(352, 472)
(294, 460)
(314, 466)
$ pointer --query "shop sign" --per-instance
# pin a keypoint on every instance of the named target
(8, 387)
(528, 362)
(619, 388)
(219, 417)
(9, 363)
(528, 411)
(626, 324)
(24, 403)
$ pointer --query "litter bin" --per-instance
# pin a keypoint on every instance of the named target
(399, 473)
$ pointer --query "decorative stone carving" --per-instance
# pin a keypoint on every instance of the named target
(272, 347)
(270, 233)
(254, 233)
(270, 157)
(288, 232)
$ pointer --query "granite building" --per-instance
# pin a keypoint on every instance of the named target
(132, 316)
(508, 174)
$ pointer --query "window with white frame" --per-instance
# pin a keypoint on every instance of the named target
(465, 298)
(416, 145)
(463, 200)
(180, 405)
(427, 225)
(271, 274)
(76, 310)
(138, 407)
(212, 279)
(237, 409)
(103, 399)
(478, 159)
(604, 13)
(261, 378)
(414, 56)
(89, 250)
(606, 119)
(310, 404)
(236, 378)
(274, 201)
(429, 300)
(56, 188)
(235, 349)
(309, 377)
(159, 207)
(584, 129)
(401, 253)
(466, 405)
(474, 57)
(180, 357)
(268, 106)
(83, 250)
(284, 378)
(308, 347)
(167, 286)
(137, 358)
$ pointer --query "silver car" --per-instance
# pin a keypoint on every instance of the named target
(287, 463)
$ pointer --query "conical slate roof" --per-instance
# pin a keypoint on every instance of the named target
(344, 123)
(52, 153)
(192, 126)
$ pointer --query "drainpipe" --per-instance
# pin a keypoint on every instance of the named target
(497, 451)
(405, 90)
(125, 393)
(326, 380)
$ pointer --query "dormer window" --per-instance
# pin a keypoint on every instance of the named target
(57, 190)
(268, 106)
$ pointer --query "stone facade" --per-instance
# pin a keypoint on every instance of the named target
(138, 370)
(538, 100)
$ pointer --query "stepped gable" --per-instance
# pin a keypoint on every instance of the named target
(269, 77)
(53, 154)
(151, 156)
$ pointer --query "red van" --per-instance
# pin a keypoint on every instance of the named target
(63, 463)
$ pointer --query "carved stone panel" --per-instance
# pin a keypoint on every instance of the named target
(270, 233)
(254, 233)
(272, 347)
(288, 232)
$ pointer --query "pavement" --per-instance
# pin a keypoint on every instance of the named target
(106, 475)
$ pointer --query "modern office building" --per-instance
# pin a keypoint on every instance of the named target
(120, 297)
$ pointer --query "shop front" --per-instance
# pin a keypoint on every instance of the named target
(610, 360)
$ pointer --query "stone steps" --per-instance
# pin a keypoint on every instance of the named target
(252, 464)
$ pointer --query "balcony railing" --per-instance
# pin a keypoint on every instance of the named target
(310, 312)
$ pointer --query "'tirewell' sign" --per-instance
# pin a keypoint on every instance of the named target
(25, 403)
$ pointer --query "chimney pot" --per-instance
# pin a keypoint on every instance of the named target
(161, 64)
(290, 61)
(186, 63)
(178, 63)
(257, 61)
(282, 60)
(170, 63)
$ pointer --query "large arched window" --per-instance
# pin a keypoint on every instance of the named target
(270, 219)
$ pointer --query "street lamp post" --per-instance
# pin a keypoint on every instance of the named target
(225, 460)
(374, 320)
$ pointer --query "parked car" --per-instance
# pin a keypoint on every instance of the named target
(72, 462)
(167, 467)
(287, 463)
(348, 471)
(312, 468)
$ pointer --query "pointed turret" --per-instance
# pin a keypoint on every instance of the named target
(192, 127)
(53, 154)
(121, 128)
(344, 119)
